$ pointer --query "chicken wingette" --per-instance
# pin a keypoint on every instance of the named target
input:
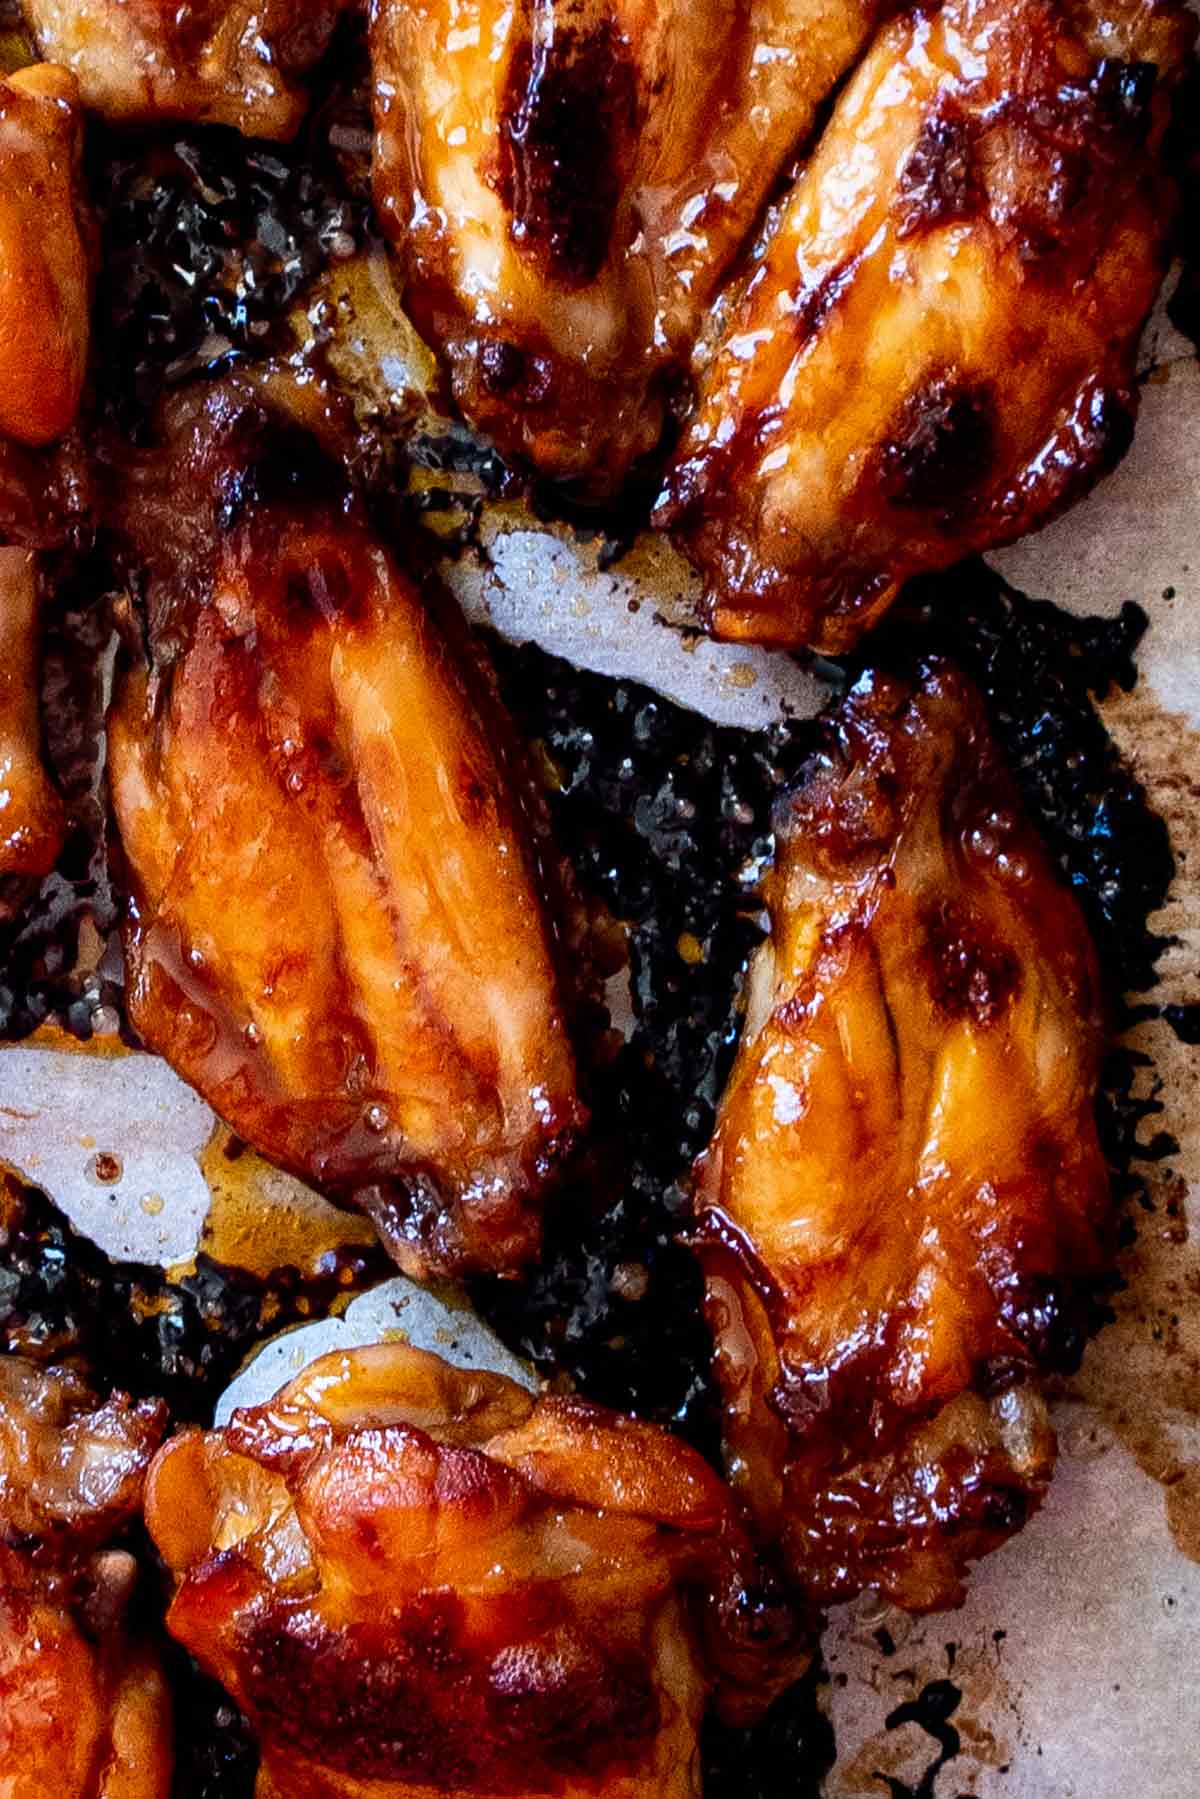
(416, 1579)
(340, 930)
(568, 182)
(938, 351)
(905, 1206)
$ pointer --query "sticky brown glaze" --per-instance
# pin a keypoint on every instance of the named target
(937, 353)
(45, 281)
(337, 931)
(222, 62)
(905, 1199)
(84, 1709)
(31, 812)
(568, 183)
(419, 1580)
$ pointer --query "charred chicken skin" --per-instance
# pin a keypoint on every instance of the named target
(337, 931)
(84, 1710)
(416, 1579)
(905, 1201)
(568, 183)
(222, 62)
(938, 351)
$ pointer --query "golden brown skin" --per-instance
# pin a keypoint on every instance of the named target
(416, 1579)
(45, 280)
(905, 1200)
(31, 812)
(338, 933)
(222, 62)
(84, 1708)
(569, 182)
(938, 352)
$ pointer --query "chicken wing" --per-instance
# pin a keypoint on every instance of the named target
(84, 1709)
(905, 1201)
(937, 354)
(31, 812)
(45, 279)
(45, 286)
(570, 180)
(222, 62)
(417, 1579)
(337, 932)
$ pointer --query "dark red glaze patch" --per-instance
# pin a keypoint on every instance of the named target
(568, 123)
(937, 183)
(941, 445)
(970, 974)
(427, 1699)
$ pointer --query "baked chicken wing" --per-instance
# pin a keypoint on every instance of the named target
(31, 812)
(222, 62)
(416, 1579)
(84, 1710)
(570, 180)
(337, 930)
(905, 1202)
(45, 284)
(937, 353)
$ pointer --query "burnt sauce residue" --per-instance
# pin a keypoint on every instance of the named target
(665, 819)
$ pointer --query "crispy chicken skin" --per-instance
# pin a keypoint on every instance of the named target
(221, 62)
(45, 279)
(570, 180)
(337, 932)
(31, 812)
(84, 1709)
(937, 354)
(905, 1201)
(419, 1580)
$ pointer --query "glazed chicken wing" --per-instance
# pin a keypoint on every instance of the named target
(338, 932)
(905, 1201)
(44, 303)
(938, 351)
(84, 1709)
(31, 812)
(417, 1580)
(569, 182)
(220, 62)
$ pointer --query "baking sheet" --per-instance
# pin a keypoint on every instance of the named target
(1069, 1671)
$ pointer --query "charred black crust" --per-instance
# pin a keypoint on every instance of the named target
(970, 974)
(938, 183)
(568, 120)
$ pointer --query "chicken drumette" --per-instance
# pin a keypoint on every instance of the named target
(569, 182)
(938, 351)
(84, 1710)
(905, 1201)
(340, 931)
(416, 1579)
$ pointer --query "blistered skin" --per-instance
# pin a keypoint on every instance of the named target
(222, 62)
(938, 352)
(338, 932)
(31, 812)
(84, 1709)
(905, 1198)
(45, 281)
(416, 1579)
(568, 182)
